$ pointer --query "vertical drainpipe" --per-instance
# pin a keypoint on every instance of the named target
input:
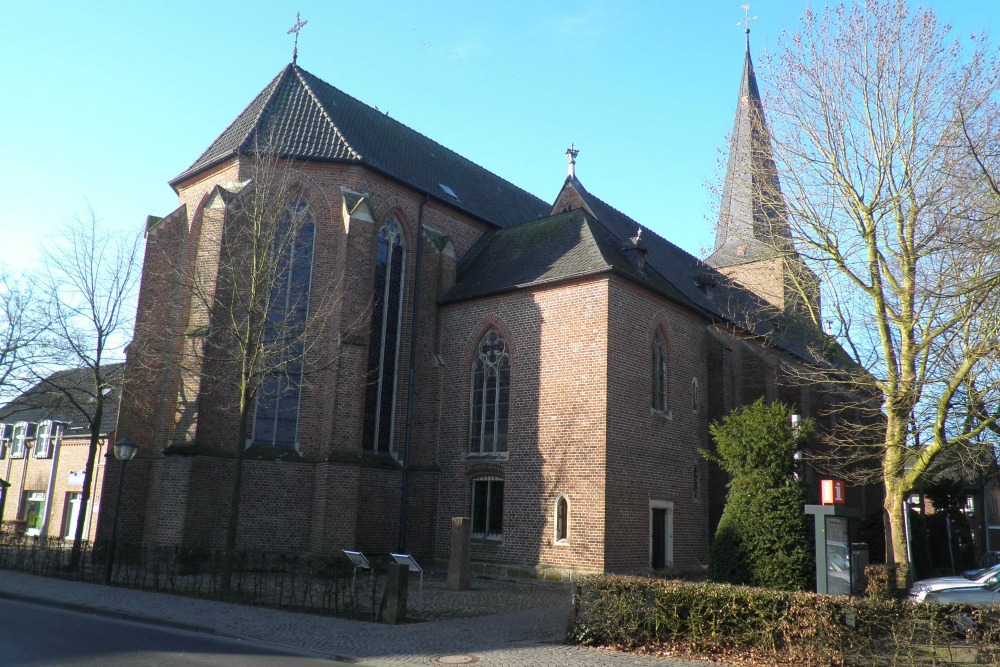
(405, 490)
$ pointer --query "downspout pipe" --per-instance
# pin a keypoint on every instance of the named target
(414, 310)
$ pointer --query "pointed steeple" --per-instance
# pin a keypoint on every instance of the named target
(752, 224)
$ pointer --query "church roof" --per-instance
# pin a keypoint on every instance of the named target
(300, 116)
(567, 245)
(752, 224)
(590, 239)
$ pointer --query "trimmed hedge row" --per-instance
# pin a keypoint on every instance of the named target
(779, 626)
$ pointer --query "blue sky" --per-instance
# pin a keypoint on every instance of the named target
(104, 102)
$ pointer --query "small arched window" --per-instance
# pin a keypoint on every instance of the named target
(659, 372)
(562, 519)
(383, 341)
(695, 395)
(490, 396)
(276, 417)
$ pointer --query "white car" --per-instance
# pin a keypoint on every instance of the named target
(976, 579)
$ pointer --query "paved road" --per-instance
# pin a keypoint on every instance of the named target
(528, 637)
(35, 635)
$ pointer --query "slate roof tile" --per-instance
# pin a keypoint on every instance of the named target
(300, 116)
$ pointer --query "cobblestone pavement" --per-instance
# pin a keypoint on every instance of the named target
(497, 624)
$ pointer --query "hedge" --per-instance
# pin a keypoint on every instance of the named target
(779, 627)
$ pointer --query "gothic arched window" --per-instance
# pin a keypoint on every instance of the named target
(383, 342)
(490, 396)
(659, 372)
(277, 414)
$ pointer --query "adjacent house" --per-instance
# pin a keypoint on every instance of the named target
(44, 444)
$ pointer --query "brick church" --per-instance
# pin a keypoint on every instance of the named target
(547, 368)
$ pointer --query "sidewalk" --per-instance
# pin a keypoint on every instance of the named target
(530, 633)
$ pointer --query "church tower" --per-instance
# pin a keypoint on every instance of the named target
(753, 242)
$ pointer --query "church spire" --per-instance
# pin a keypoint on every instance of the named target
(752, 223)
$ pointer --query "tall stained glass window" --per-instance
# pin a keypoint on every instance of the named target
(277, 413)
(383, 342)
(490, 396)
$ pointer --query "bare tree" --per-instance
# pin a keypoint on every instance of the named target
(89, 296)
(870, 107)
(21, 324)
(258, 327)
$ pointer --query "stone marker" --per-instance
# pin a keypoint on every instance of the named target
(460, 562)
(396, 585)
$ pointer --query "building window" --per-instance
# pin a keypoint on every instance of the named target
(695, 482)
(383, 342)
(490, 396)
(659, 372)
(562, 520)
(23, 431)
(487, 507)
(695, 395)
(32, 511)
(6, 432)
(71, 514)
(276, 417)
(48, 437)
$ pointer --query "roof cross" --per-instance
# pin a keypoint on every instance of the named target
(571, 154)
(746, 21)
(299, 23)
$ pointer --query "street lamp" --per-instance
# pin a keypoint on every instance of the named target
(797, 456)
(124, 450)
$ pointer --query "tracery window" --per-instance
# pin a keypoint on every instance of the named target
(659, 372)
(490, 396)
(277, 413)
(383, 342)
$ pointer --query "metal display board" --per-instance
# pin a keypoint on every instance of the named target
(358, 559)
(411, 564)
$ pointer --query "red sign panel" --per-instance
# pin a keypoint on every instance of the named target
(832, 492)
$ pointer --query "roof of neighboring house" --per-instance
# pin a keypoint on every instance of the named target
(302, 117)
(64, 396)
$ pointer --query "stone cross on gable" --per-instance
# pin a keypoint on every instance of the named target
(299, 23)
(747, 18)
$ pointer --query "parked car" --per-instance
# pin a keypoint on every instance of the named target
(920, 590)
(980, 596)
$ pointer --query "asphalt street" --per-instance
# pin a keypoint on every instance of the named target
(42, 635)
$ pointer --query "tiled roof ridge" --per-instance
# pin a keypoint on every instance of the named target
(272, 89)
(645, 229)
(322, 109)
(423, 136)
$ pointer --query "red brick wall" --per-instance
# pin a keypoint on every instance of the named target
(557, 341)
(651, 455)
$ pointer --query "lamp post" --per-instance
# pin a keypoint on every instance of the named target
(797, 456)
(124, 450)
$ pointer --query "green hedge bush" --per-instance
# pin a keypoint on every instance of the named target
(781, 627)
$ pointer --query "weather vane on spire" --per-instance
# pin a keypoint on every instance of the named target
(299, 23)
(746, 21)
(571, 154)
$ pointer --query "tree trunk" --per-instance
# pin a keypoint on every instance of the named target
(896, 548)
(232, 524)
(88, 482)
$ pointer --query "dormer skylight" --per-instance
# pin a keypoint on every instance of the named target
(448, 191)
